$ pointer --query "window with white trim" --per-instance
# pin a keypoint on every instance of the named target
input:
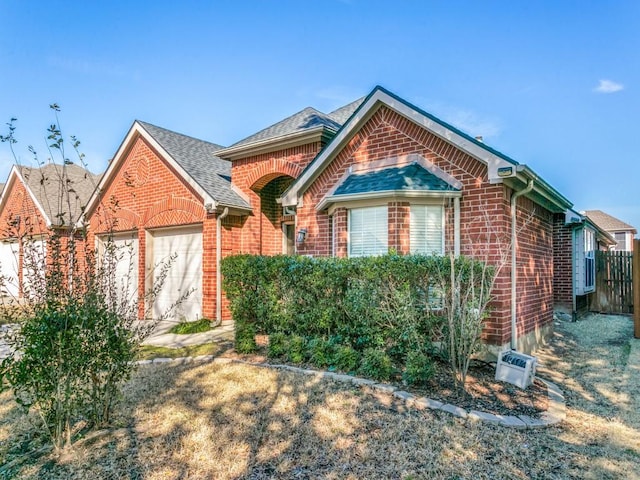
(368, 231)
(589, 260)
(584, 260)
(621, 239)
(427, 229)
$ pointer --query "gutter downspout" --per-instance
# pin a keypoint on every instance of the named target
(514, 272)
(224, 213)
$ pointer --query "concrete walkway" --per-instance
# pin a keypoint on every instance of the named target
(162, 338)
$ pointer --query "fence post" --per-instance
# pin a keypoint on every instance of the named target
(636, 288)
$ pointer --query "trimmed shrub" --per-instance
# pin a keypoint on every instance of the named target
(345, 358)
(297, 349)
(320, 351)
(376, 364)
(245, 336)
(277, 345)
(418, 368)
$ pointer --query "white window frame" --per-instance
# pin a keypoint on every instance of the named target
(584, 261)
(381, 215)
(622, 245)
(423, 249)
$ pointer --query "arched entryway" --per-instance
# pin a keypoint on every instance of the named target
(277, 230)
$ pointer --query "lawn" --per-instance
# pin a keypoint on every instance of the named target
(236, 421)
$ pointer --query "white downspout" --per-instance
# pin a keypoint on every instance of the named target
(514, 272)
(224, 213)
(456, 226)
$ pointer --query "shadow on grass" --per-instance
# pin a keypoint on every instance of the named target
(234, 421)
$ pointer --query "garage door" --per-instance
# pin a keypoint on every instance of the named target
(184, 275)
(9, 269)
(120, 263)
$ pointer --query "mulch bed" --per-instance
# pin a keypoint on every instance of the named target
(483, 392)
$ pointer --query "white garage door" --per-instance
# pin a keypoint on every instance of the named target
(120, 263)
(9, 269)
(184, 275)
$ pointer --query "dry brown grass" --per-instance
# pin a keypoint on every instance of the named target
(237, 421)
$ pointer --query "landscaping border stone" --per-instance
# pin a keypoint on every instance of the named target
(555, 413)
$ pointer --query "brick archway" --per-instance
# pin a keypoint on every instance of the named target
(173, 211)
(270, 170)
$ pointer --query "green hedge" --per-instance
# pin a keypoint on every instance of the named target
(346, 310)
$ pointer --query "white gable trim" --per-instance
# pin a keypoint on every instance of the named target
(379, 97)
(14, 176)
(137, 129)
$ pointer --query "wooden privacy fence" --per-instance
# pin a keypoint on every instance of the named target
(614, 282)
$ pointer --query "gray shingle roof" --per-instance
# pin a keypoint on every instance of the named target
(199, 160)
(412, 177)
(62, 190)
(342, 114)
(607, 222)
(304, 120)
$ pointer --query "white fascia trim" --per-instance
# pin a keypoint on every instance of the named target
(493, 162)
(136, 128)
(19, 176)
(7, 187)
(271, 144)
(542, 188)
(390, 194)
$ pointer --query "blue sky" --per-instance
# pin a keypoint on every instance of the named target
(552, 84)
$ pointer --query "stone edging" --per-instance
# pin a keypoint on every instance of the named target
(556, 412)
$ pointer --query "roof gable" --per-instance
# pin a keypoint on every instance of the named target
(301, 127)
(194, 160)
(198, 158)
(60, 192)
(499, 165)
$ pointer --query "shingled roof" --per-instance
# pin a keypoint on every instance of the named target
(199, 160)
(407, 178)
(608, 222)
(61, 190)
(342, 114)
(304, 120)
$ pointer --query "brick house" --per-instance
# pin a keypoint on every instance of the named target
(377, 174)
(35, 203)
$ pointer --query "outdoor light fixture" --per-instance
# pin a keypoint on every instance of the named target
(302, 234)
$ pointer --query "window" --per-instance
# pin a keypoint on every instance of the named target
(584, 261)
(589, 260)
(621, 238)
(427, 229)
(368, 231)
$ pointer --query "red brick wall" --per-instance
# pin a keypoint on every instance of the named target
(146, 192)
(262, 178)
(484, 217)
(562, 263)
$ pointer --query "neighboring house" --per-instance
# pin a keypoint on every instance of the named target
(36, 202)
(621, 231)
(576, 239)
(377, 174)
